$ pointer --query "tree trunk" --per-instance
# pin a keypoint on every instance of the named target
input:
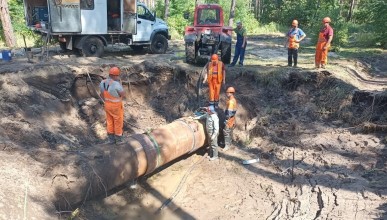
(10, 40)
(166, 12)
(232, 13)
(350, 12)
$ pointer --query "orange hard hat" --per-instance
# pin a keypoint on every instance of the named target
(230, 89)
(295, 22)
(214, 57)
(115, 71)
(326, 20)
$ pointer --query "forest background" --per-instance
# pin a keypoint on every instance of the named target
(357, 23)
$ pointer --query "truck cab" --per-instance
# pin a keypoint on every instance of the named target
(90, 25)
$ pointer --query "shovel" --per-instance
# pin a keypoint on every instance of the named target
(26, 49)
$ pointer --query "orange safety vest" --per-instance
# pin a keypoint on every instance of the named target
(107, 96)
(231, 106)
(292, 42)
(219, 72)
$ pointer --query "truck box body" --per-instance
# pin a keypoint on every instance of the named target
(111, 21)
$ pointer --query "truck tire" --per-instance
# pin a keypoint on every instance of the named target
(190, 52)
(159, 44)
(226, 53)
(92, 47)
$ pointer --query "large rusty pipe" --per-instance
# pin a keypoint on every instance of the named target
(98, 169)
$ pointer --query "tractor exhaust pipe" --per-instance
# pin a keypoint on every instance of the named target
(101, 168)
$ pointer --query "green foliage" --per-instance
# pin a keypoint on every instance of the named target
(16, 11)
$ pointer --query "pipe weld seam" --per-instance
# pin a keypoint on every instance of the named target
(193, 134)
(156, 146)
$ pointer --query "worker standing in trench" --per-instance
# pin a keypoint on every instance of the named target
(216, 75)
(112, 93)
(212, 128)
(323, 44)
(230, 112)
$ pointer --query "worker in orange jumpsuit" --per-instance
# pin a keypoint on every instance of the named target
(229, 123)
(324, 43)
(112, 93)
(216, 75)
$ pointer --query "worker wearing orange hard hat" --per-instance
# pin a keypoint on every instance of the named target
(324, 43)
(230, 112)
(112, 94)
(216, 75)
(294, 36)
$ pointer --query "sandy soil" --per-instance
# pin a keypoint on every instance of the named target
(319, 136)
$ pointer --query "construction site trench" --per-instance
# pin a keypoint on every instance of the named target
(319, 135)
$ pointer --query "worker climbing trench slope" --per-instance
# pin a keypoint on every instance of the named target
(317, 156)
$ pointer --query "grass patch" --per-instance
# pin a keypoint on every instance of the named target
(358, 52)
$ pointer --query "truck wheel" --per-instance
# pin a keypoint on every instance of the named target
(137, 47)
(159, 44)
(190, 52)
(226, 53)
(92, 47)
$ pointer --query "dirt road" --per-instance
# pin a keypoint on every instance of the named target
(319, 136)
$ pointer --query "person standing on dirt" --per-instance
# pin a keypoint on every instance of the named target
(212, 128)
(240, 45)
(323, 44)
(112, 94)
(294, 36)
(229, 123)
(216, 75)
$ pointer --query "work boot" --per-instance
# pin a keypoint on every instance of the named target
(216, 105)
(110, 139)
(226, 147)
(231, 65)
(323, 66)
(119, 139)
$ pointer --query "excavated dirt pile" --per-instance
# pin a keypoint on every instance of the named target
(321, 144)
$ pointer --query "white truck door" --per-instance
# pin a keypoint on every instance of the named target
(145, 21)
(65, 15)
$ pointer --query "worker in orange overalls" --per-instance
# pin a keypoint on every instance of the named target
(216, 75)
(229, 123)
(324, 43)
(294, 36)
(112, 93)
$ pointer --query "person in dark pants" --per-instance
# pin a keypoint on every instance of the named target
(230, 112)
(240, 45)
(212, 128)
(294, 36)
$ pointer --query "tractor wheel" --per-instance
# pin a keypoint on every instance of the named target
(92, 47)
(159, 44)
(190, 52)
(226, 53)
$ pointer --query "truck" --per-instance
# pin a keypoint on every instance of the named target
(208, 35)
(88, 26)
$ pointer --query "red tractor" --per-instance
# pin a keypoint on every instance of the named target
(208, 35)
